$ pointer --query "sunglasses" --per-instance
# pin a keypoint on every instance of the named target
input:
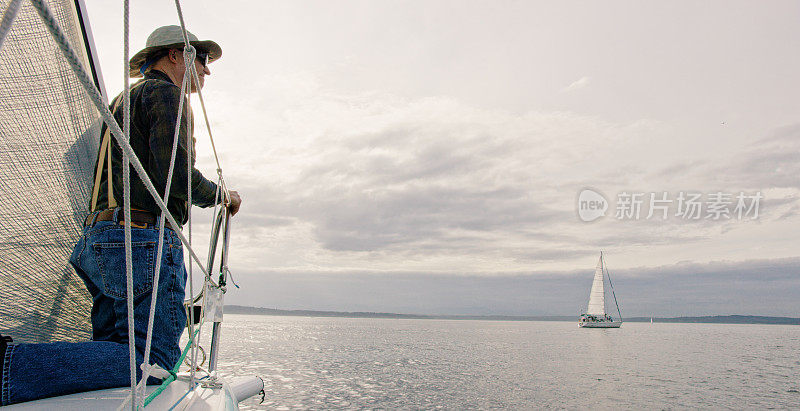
(202, 57)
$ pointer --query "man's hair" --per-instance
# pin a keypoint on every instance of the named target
(153, 58)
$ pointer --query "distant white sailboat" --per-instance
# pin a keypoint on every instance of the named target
(595, 316)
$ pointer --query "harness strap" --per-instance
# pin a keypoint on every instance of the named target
(105, 151)
(112, 202)
(97, 174)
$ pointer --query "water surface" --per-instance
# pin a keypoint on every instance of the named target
(451, 364)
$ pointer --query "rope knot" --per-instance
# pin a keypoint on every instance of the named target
(156, 371)
(189, 53)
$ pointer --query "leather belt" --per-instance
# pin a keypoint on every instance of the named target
(139, 218)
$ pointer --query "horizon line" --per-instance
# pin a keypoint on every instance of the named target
(724, 318)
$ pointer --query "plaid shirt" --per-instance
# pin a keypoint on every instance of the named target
(154, 110)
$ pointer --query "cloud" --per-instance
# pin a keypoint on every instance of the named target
(769, 162)
(335, 181)
(576, 85)
(768, 165)
(437, 179)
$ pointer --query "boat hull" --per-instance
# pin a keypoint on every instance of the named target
(178, 395)
(600, 324)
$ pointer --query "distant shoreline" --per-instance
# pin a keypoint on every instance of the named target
(711, 319)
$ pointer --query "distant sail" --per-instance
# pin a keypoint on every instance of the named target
(49, 134)
(595, 315)
(597, 299)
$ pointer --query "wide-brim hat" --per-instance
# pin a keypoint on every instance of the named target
(169, 37)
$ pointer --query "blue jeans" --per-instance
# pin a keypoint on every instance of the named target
(33, 371)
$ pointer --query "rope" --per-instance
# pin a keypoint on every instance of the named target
(156, 274)
(230, 276)
(190, 67)
(188, 49)
(126, 184)
(200, 95)
(183, 25)
(8, 18)
(210, 136)
(94, 94)
(608, 274)
(189, 52)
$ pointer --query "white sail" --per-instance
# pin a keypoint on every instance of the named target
(48, 143)
(597, 297)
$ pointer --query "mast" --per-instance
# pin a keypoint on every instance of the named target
(612, 287)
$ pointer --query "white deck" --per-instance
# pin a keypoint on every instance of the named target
(178, 395)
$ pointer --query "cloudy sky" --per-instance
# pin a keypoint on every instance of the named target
(427, 156)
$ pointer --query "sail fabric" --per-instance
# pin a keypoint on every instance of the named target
(597, 297)
(49, 133)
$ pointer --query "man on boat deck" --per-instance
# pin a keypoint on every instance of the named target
(33, 371)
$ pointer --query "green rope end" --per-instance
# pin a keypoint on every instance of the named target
(173, 374)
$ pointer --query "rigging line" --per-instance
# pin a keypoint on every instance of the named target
(183, 25)
(216, 206)
(8, 19)
(159, 253)
(200, 95)
(221, 188)
(126, 187)
(208, 125)
(94, 95)
(189, 51)
(612, 291)
(230, 277)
